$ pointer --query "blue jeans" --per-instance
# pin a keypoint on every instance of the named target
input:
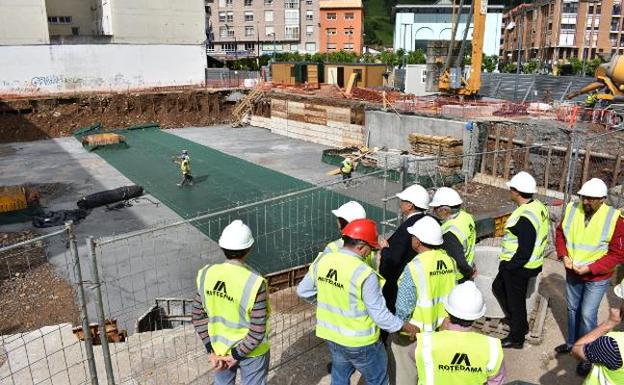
(583, 298)
(253, 371)
(371, 361)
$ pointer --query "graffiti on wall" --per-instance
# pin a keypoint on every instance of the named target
(59, 83)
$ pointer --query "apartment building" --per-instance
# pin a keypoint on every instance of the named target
(341, 25)
(249, 28)
(23, 22)
(552, 30)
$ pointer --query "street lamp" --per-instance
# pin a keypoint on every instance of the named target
(591, 33)
(273, 34)
(404, 42)
(227, 27)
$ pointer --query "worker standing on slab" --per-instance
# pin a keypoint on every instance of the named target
(590, 242)
(397, 251)
(231, 310)
(604, 348)
(459, 230)
(346, 214)
(184, 160)
(456, 354)
(522, 256)
(346, 169)
(350, 309)
(424, 286)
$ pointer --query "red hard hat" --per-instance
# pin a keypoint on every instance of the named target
(362, 230)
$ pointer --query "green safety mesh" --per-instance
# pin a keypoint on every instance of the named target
(289, 231)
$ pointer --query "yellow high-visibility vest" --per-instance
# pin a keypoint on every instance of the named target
(463, 227)
(341, 315)
(336, 245)
(433, 273)
(185, 165)
(600, 375)
(347, 166)
(537, 214)
(453, 357)
(228, 294)
(587, 244)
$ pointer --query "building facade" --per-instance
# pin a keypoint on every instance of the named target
(23, 22)
(341, 25)
(415, 25)
(249, 28)
(556, 30)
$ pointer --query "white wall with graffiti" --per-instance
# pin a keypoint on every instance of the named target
(51, 69)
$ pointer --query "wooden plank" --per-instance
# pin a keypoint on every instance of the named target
(510, 145)
(586, 161)
(616, 171)
(484, 150)
(547, 171)
(564, 172)
(495, 160)
(527, 154)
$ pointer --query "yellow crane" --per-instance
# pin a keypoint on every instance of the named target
(451, 80)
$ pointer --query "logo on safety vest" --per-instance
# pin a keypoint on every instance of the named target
(220, 290)
(441, 268)
(332, 278)
(460, 362)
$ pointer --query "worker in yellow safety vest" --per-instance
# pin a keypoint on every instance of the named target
(184, 160)
(459, 231)
(456, 354)
(231, 310)
(522, 255)
(346, 169)
(350, 309)
(345, 214)
(424, 286)
(604, 348)
(590, 242)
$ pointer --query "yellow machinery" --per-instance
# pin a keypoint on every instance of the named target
(610, 77)
(451, 79)
(13, 198)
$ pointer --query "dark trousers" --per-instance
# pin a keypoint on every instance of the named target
(346, 175)
(510, 289)
(187, 179)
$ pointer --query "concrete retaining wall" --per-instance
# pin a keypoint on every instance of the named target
(46, 69)
(334, 134)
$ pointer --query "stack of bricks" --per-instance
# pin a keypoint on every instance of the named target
(447, 149)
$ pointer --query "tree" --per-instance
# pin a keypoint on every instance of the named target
(590, 68)
(489, 63)
(577, 65)
(416, 57)
(388, 58)
(531, 66)
(367, 57)
(509, 67)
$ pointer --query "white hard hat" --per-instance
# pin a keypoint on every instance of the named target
(427, 230)
(350, 211)
(465, 302)
(523, 182)
(236, 236)
(594, 188)
(445, 196)
(619, 289)
(417, 195)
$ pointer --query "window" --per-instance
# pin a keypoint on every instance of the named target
(221, 17)
(291, 4)
(423, 76)
(230, 17)
(250, 47)
(310, 47)
(330, 31)
(309, 15)
(249, 31)
(331, 46)
(228, 47)
(268, 2)
(309, 2)
(210, 47)
(59, 19)
(269, 30)
(249, 16)
(268, 16)
(223, 31)
(229, 3)
(294, 47)
(309, 30)
(292, 32)
(208, 10)
(248, 3)
(568, 26)
(75, 31)
(348, 46)
(349, 31)
(331, 16)
(349, 16)
(291, 17)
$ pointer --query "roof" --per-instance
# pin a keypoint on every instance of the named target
(340, 4)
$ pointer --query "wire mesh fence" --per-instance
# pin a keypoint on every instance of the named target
(140, 272)
(40, 297)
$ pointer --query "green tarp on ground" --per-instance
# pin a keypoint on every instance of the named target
(288, 231)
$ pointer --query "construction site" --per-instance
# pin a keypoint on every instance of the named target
(101, 242)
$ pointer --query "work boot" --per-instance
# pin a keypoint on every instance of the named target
(510, 344)
(563, 349)
(583, 368)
